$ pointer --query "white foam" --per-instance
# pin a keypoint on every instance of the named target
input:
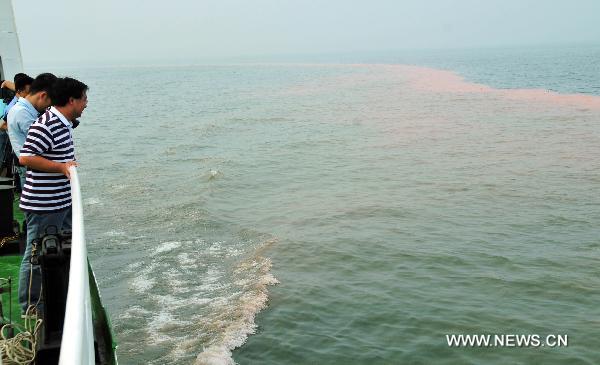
(233, 252)
(91, 201)
(215, 355)
(226, 301)
(243, 307)
(213, 174)
(212, 287)
(114, 233)
(177, 283)
(118, 186)
(142, 283)
(161, 323)
(166, 247)
(215, 247)
(134, 312)
(186, 262)
(213, 275)
(134, 266)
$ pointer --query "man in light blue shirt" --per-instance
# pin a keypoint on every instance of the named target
(12, 103)
(21, 89)
(26, 111)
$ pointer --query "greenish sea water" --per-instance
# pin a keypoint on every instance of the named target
(339, 214)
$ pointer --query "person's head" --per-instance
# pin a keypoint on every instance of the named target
(22, 84)
(40, 91)
(69, 96)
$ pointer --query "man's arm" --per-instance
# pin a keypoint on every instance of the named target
(38, 141)
(6, 84)
(43, 164)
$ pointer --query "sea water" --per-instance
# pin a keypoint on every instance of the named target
(347, 213)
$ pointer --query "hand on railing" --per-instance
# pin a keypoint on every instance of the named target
(67, 168)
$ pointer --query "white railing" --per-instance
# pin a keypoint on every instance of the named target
(77, 345)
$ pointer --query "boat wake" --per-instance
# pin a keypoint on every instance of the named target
(238, 315)
(198, 299)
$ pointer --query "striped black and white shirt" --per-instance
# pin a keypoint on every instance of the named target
(50, 136)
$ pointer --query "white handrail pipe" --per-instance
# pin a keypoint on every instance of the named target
(77, 345)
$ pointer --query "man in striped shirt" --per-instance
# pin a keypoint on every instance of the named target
(48, 152)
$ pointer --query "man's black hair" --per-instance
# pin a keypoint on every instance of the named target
(21, 81)
(43, 82)
(65, 88)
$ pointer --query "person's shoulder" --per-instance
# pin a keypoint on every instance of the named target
(48, 118)
(15, 112)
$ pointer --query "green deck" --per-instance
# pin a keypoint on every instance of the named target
(9, 267)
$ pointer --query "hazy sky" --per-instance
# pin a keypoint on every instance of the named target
(72, 32)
